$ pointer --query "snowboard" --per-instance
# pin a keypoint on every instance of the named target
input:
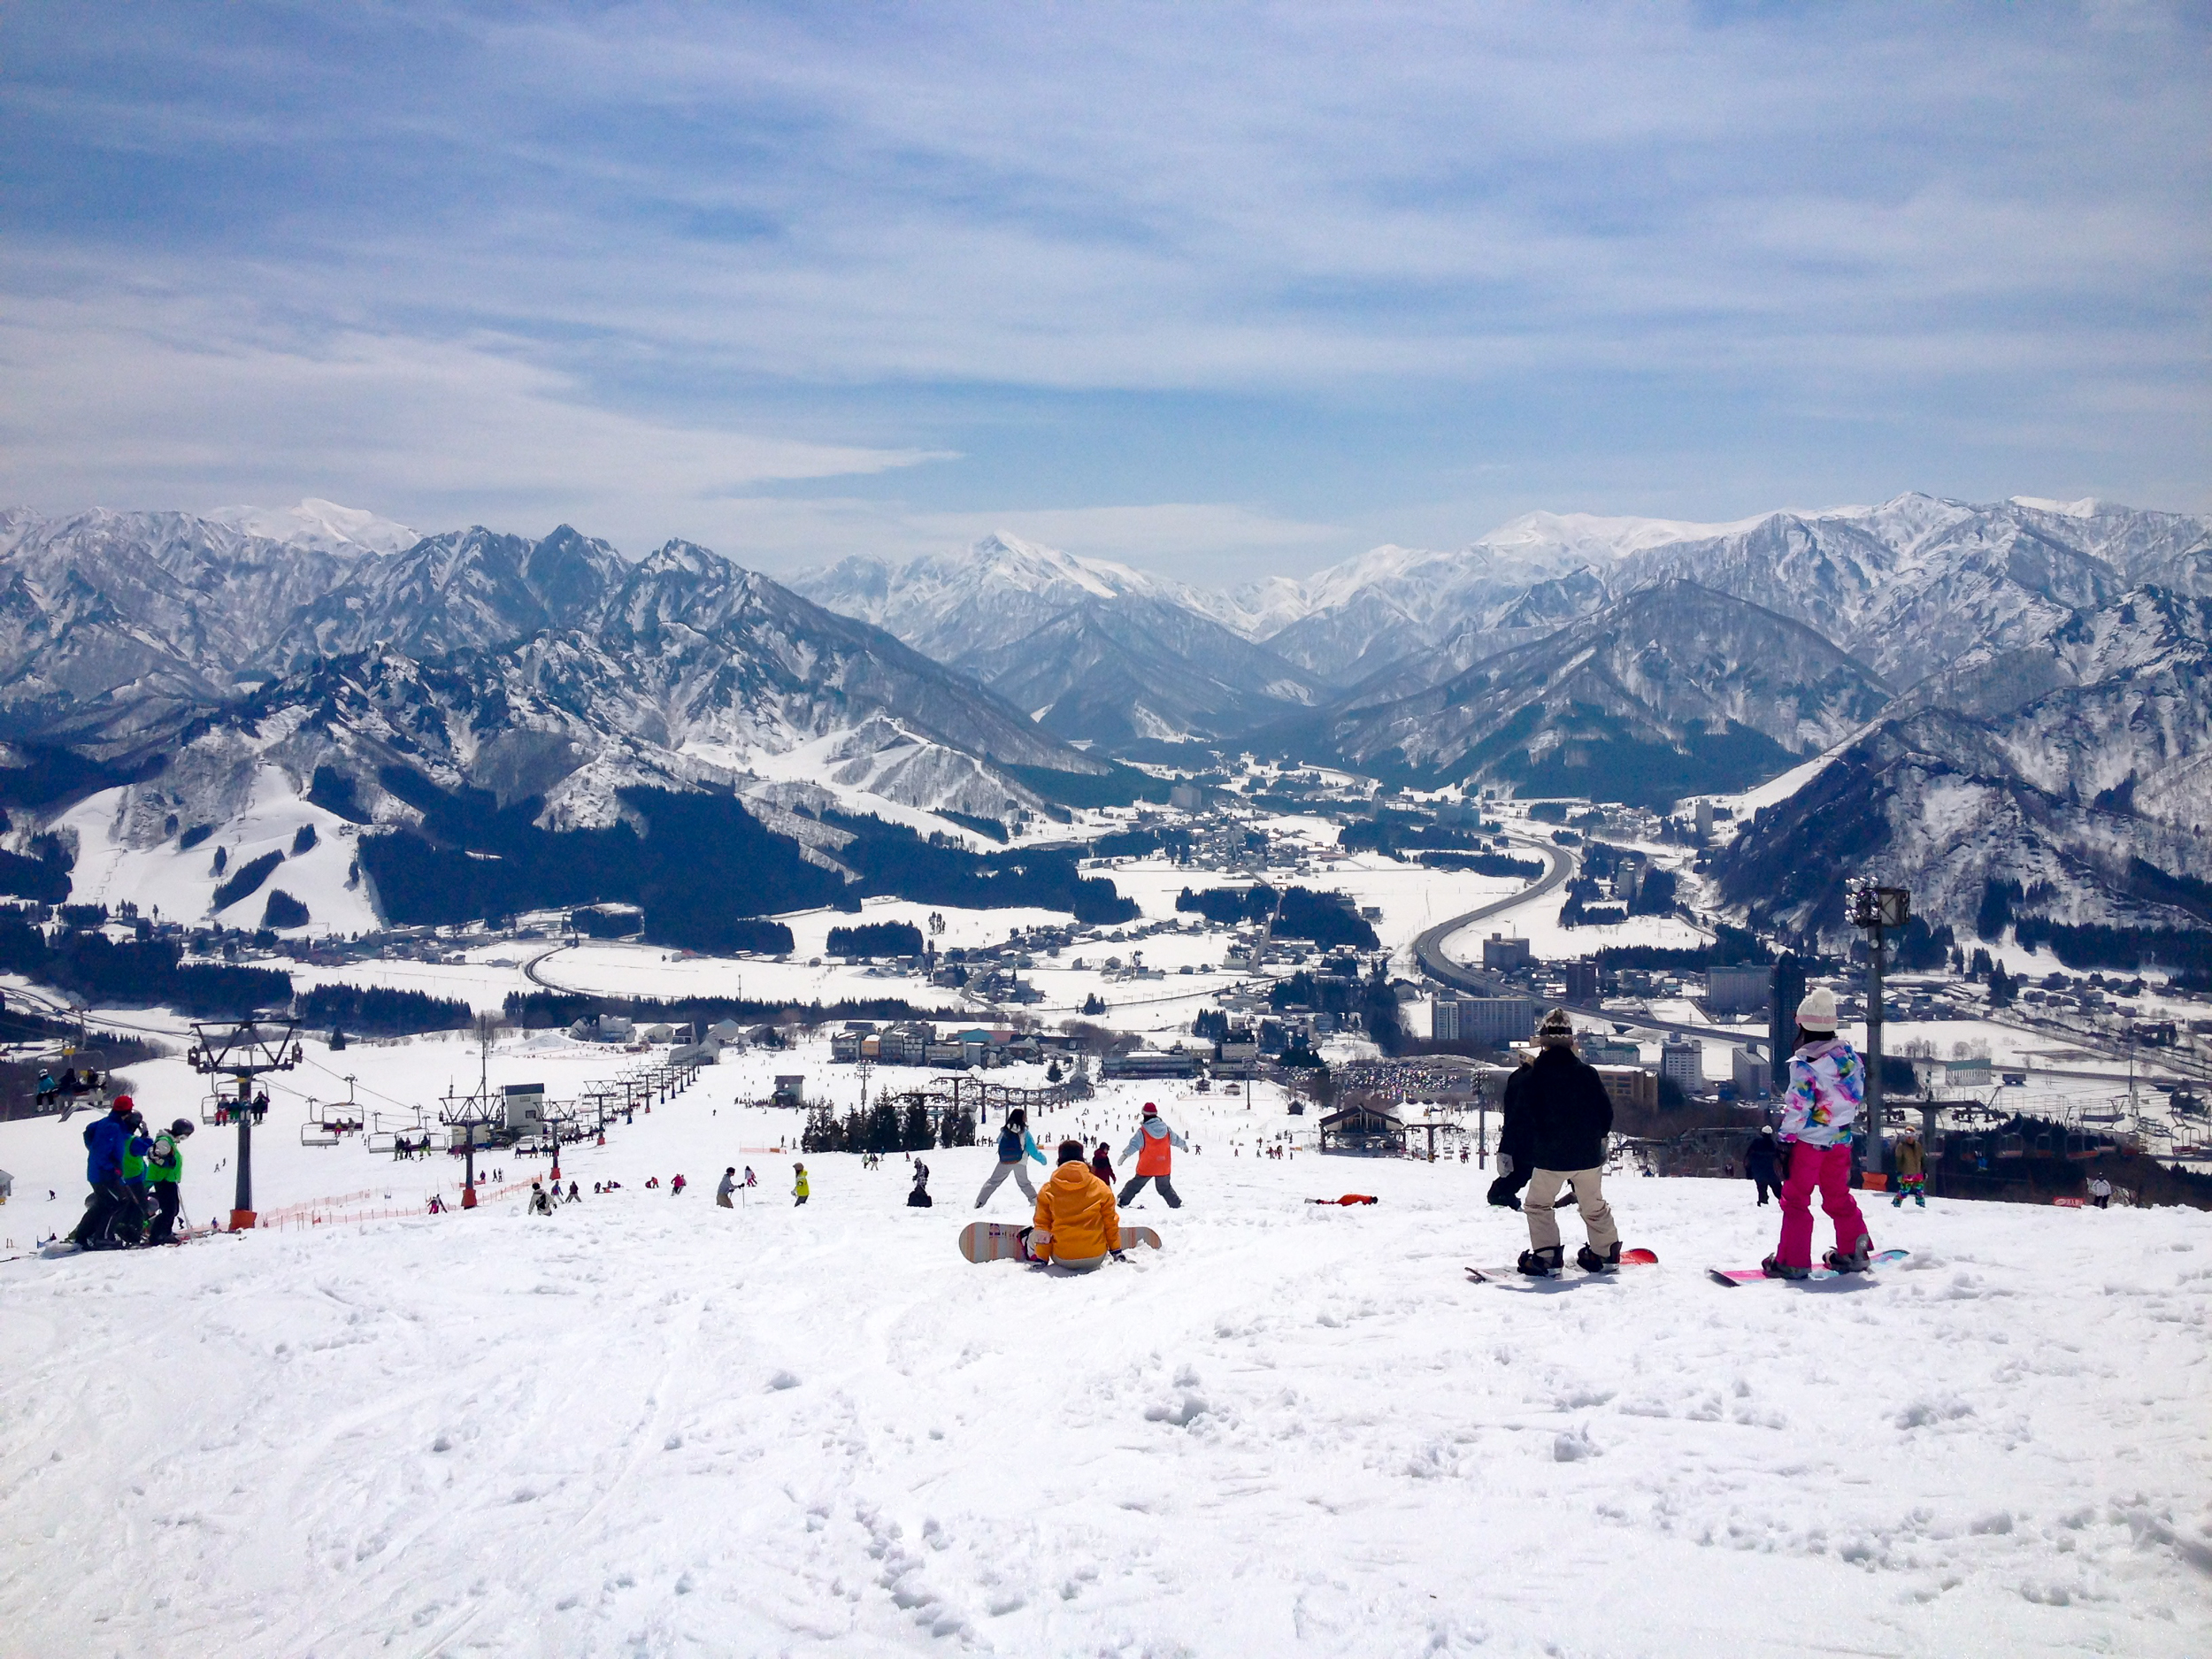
(1514, 1276)
(1757, 1276)
(1003, 1240)
(1349, 1198)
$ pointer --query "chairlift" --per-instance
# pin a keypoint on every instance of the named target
(315, 1132)
(2012, 1146)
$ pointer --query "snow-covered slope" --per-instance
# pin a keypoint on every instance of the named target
(323, 525)
(1674, 690)
(2072, 764)
(1114, 671)
(648, 1425)
(1908, 585)
(203, 661)
(956, 605)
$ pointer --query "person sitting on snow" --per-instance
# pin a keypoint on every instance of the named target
(1077, 1225)
(1152, 1147)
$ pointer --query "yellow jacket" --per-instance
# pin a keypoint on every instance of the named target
(799, 1188)
(1076, 1218)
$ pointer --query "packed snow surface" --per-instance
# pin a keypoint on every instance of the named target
(647, 1425)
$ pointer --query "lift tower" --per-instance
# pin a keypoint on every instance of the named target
(244, 1050)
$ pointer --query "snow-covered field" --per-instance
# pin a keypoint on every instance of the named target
(649, 1427)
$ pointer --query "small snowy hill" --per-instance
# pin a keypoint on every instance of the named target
(649, 1425)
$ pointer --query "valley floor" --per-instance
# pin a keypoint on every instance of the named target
(648, 1426)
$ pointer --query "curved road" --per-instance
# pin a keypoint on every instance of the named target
(1428, 949)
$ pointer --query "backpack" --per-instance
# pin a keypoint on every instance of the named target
(1010, 1146)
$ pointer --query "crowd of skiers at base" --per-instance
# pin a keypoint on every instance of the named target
(134, 1177)
(1558, 1115)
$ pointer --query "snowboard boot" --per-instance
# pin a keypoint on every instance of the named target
(1853, 1262)
(1920, 1200)
(1544, 1263)
(1773, 1269)
(1590, 1262)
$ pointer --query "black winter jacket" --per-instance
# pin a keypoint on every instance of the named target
(1759, 1157)
(1557, 1114)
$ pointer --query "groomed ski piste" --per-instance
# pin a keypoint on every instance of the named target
(646, 1425)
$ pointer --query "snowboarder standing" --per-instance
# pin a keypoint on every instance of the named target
(1569, 1116)
(727, 1185)
(1015, 1148)
(1152, 1146)
(800, 1190)
(1912, 1172)
(1762, 1161)
(1516, 1127)
(919, 1198)
(2100, 1190)
(1103, 1164)
(1827, 1091)
(165, 1168)
(1077, 1225)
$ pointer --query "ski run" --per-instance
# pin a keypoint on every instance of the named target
(649, 1425)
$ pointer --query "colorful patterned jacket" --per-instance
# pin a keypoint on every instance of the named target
(1827, 1088)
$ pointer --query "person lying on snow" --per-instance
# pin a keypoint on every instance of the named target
(1077, 1225)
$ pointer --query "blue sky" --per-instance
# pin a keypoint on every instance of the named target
(1217, 291)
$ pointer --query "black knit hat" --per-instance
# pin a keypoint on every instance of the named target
(1072, 1152)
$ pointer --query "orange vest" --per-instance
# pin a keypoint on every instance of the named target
(1155, 1153)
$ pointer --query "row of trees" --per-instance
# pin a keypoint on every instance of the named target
(901, 1122)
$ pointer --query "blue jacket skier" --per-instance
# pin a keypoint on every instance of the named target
(1016, 1147)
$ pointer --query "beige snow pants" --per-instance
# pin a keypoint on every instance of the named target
(1541, 1201)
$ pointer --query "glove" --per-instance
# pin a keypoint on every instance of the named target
(1503, 1191)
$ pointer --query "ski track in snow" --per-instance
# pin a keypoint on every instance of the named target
(650, 1426)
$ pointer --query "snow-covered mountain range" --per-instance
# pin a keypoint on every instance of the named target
(2051, 654)
(194, 655)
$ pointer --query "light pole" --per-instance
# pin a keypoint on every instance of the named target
(244, 1050)
(1879, 911)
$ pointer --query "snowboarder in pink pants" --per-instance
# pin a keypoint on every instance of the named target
(1827, 1091)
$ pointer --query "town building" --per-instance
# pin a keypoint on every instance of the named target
(1501, 954)
(1737, 990)
(1630, 1088)
(1752, 1079)
(1684, 1063)
(1494, 1020)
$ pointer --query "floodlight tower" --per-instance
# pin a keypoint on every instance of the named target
(1880, 910)
(244, 1050)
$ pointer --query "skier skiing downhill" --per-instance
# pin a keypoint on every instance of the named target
(1016, 1147)
(1152, 1147)
(1569, 1116)
(1827, 1091)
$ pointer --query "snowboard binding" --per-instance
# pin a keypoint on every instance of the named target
(1544, 1263)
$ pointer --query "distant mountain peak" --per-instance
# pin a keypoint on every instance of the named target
(321, 525)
